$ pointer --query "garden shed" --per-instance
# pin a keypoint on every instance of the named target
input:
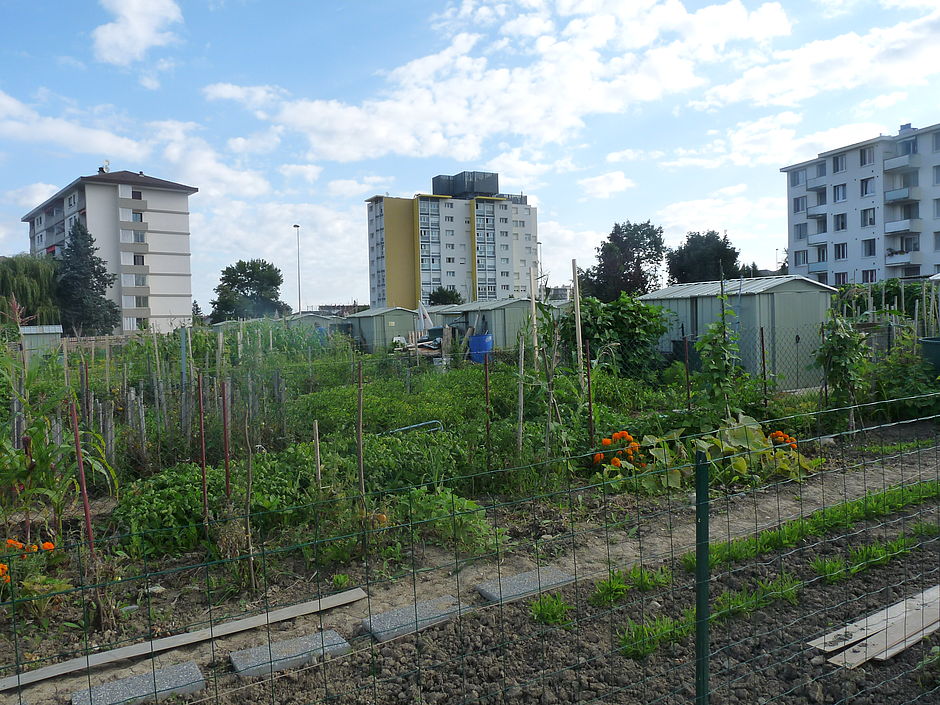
(38, 340)
(318, 321)
(788, 308)
(503, 319)
(375, 328)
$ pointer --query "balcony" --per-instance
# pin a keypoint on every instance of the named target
(902, 163)
(819, 211)
(899, 258)
(817, 183)
(899, 195)
(817, 267)
(908, 225)
(817, 239)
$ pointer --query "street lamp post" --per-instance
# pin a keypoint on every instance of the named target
(297, 230)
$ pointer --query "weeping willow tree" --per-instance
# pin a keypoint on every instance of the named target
(32, 281)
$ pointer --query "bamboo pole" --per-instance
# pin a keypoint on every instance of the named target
(360, 460)
(520, 393)
(82, 485)
(316, 453)
(225, 439)
(577, 320)
(534, 314)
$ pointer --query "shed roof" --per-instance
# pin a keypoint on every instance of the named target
(488, 305)
(733, 287)
(369, 312)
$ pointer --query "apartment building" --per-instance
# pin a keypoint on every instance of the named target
(465, 236)
(868, 211)
(141, 228)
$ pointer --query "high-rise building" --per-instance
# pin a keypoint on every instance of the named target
(868, 211)
(141, 228)
(464, 236)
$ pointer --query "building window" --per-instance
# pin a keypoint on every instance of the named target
(822, 253)
(137, 217)
(841, 250)
(841, 278)
(798, 177)
(450, 218)
(451, 273)
(449, 260)
(822, 277)
(799, 231)
(936, 173)
(838, 163)
(868, 247)
(868, 186)
(800, 257)
(840, 221)
(908, 146)
(799, 204)
(136, 195)
(868, 217)
(912, 271)
(936, 141)
(936, 208)
(866, 156)
(38, 221)
(869, 276)
(138, 260)
(139, 236)
(448, 204)
(70, 202)
(910, 243)
(838, 193)
(822, 226)
(140, 280)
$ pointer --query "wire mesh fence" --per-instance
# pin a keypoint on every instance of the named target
(599, 576)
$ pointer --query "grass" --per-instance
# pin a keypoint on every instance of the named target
(640, 639)
(734, 602)
(550, 608)
(832, 570)
(900, 447)
(611, 590)
(644, 579)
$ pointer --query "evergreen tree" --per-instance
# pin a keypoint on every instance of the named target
(248, 290)
(82, 286)
(198, 316)
(441, 296)
(703, 257)
(628, 261)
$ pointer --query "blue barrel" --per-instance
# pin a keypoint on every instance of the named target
(480, 346)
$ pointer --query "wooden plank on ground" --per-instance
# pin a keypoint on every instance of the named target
(873, 623)
(177, 640)
(910, 641)
(916, 619)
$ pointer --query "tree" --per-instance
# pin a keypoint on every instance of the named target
(199, 317)
(629, 260)
(81, 287)
(31, 282)
(785, 264)
(441, 296)
(248, 290)
(750, 270)
(703, 257)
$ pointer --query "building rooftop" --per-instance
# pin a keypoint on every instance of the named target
(129, 178)
(733, 287)
(379, 311)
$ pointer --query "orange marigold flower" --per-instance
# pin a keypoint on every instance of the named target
(616, 462)
(13, 543)
(33, 548)
(6, 578)
(615, 435)
(627, 437)
(793, 446)
(47, 545)
(3, 568)
(606, 441)
(598, 458)
(634, 444)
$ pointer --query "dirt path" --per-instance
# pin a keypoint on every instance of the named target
(659, 531)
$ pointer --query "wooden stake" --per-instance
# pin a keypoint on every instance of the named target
(577, 320)
(316, 453)
(533, 312)
(82, 486)
(360, 459)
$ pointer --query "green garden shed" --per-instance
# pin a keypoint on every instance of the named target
(787, 308)
(375, 328)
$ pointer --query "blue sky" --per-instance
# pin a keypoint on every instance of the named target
(601, 110)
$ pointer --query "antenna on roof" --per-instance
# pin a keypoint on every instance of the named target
(107, 166)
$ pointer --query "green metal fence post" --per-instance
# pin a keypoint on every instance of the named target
(701, 579)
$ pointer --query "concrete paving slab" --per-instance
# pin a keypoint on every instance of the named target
(289, 653)
(508, 588)
(181, 679)
(406, 620)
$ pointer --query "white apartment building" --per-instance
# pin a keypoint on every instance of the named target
(867, 211)
(141, 228)
(464, 236)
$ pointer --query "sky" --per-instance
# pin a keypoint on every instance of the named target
(288, 112)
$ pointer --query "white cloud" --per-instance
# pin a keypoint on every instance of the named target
(901, 55)
(150, 77)
(306, 172)
(517, 172)
(605, 185)
(258, 143)
(249, 96)
(197, 163)
(561, 244)
(772, 140)
(634, 155)
(879, 102)
(139, 26)
(21, 123)
(756, 226)
(31, 195)
(349, 188)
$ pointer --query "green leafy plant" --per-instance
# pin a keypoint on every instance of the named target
(832, 570)
(442, 517)
(841, 354)
(645, 579)
(929, 668)
(341, 581)
(611, 590)
(719, 353)
(550, 608)
(640, 639)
